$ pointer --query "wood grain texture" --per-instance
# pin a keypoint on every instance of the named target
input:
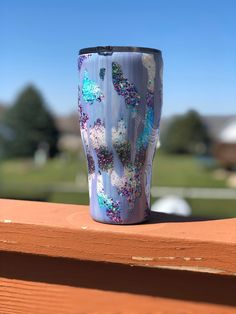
(20, 297)
(62, 230)
(139, 280)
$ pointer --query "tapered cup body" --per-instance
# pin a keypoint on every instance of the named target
(120, 100)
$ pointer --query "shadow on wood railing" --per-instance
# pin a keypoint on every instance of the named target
(162, 217)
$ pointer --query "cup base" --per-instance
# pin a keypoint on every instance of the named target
(123, 223)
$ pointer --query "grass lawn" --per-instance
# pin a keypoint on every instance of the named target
(182, 170)
(168, 170)
(22, 180)
(24, 172)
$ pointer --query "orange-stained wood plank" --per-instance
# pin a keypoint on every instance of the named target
(68, 231)
(25, 297)
(172, 284)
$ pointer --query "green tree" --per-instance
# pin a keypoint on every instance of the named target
(186, 134)
(31, 125)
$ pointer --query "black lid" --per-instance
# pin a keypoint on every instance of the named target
(107, 50)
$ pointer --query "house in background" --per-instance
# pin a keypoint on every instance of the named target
(70, 139)
(225, 145)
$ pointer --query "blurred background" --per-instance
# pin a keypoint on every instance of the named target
(41, 156)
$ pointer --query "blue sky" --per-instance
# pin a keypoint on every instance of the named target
(39, 42)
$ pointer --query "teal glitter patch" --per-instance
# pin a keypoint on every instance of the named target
(111, 207)
(91, 92)
(143, 139)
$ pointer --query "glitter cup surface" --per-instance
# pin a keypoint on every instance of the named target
(120, 100)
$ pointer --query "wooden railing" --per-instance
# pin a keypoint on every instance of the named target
(55, 259)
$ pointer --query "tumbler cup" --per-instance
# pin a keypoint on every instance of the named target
(120, 100)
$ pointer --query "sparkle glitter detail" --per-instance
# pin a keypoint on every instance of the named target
(124, 87)
(124, 152)
(128, 185)
(102, 73)
(83, 117)
(98, 140)
(91, 92)
(120, 142)
(143, 139)
(148, 131)
(150, 64)
(119, 134)
(84, 134)
(119, 150)
(90, 160)
(111, 207)
(82, 58)
(91, 163)
(150, 99)
(97, 135)
(105, 202)
(140, 158)
(100, 183)
(105, 159)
